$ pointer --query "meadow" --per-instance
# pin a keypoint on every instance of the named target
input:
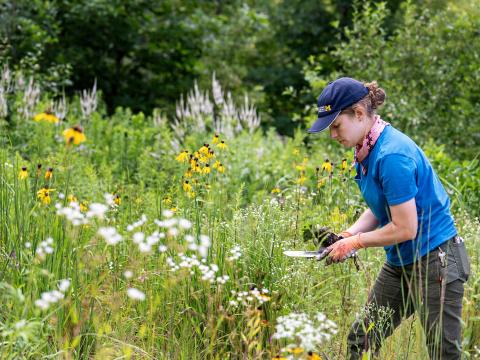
(142, 237)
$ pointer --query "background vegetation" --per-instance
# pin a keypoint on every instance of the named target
(168, 76)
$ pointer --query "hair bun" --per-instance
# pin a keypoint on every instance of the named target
(377, 94)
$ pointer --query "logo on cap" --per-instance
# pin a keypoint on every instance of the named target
(325, 108)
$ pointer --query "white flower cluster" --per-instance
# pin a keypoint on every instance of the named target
(135, 294)
(45, 247)
(138, 223)
(110, 234)
(192, 263)
(72, 213)
(246, 297)
(145, 244)
(51, 297)
(235, 253)
(202, 248)
(305, 332)
(97, 210)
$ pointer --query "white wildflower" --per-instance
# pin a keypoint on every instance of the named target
(135, 294)
(110, 234)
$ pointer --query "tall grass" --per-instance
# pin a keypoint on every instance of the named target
(224, 306)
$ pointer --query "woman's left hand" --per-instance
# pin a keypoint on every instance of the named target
(342, 249)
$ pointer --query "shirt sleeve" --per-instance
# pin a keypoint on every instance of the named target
(398, 177)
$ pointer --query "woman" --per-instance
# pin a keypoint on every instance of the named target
(408, 214)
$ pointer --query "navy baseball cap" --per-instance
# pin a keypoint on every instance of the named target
(337, 96)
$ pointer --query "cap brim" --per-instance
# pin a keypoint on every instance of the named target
(323, 122)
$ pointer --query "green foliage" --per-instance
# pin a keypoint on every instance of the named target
(427, 67)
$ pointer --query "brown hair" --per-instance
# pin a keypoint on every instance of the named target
(375, 97)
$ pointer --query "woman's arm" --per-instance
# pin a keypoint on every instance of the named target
(403, 227)
(366, 222)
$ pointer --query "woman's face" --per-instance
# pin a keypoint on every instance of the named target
(349, 129)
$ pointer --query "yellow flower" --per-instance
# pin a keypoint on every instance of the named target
(39, 169)
(203, 159)
(183, 156)
(186, 186)
(313, 356)
(296, 151)
(74, 135)
(167, 200)
(191, 194)
(327, 165)
(188, 173)
(344, 164)
(49, 173)
(215, 139)
(117, 199)
(207, 169)
(83, 206)
(218, 165)
(23, 174)
(275, 190)
(173, 209)
(204, 149)
(301, 180)
(300, 167)
(210, 154)
(44, 195)
(222, 145)
(279, 358)
(72, 198)
(295, 351)
(320, 183)
(46, 116)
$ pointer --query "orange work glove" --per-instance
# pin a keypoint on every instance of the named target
(342, 249)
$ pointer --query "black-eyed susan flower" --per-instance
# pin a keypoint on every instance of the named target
(188, 173)
(44, 195)
(211, 154)
(216, 139)
(46, 116)
(23, 174)
(344, 165)
(167, 200)
(74, 135)
(183, 156)
(295, 350)
(207, 169)
(219, 166)
(222, 145)
(301, 179)
(204, 149)
(186, 186)
(49, 173)
(313, 356)
(117, 199)
(39, 169)
(327, 166)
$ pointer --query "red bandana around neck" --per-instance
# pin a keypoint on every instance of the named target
(362, 151)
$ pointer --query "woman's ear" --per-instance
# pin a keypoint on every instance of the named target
(360, 113)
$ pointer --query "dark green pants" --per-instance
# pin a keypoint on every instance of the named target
(433, 287)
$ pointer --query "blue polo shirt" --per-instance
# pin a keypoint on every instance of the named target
(397, 170)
